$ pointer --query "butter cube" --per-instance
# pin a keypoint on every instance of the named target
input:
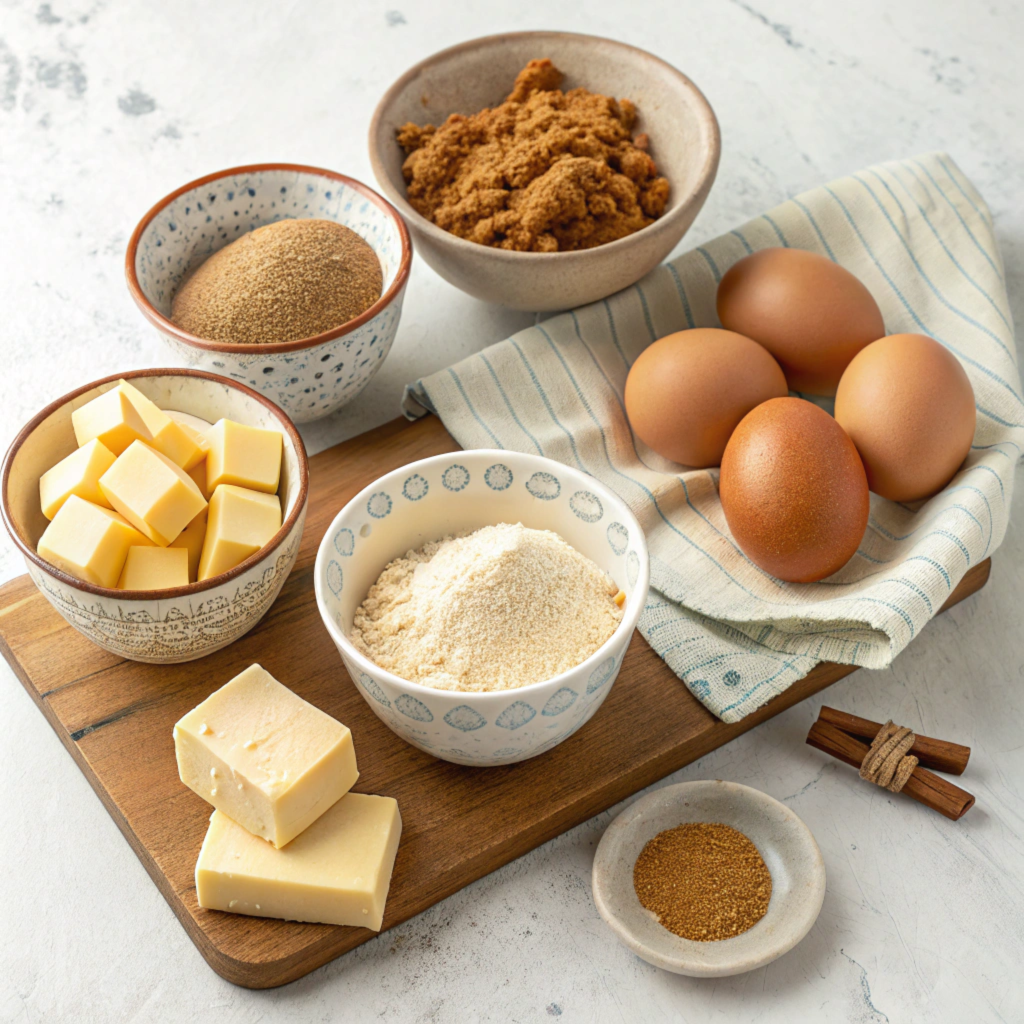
(193, 432)
(264, 756)
(198, 474)
(112, 419)
(157, 497)
(191, 539)
(153, 568)
(167, 436)
(241, 522)
(247, 456)
(337, 872)
(78, 474)
(89, 542)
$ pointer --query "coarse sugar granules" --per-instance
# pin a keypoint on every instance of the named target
(704, 881)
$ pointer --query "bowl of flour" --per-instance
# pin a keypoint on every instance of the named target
(482, 601)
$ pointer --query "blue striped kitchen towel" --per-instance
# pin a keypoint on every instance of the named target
(920, 237)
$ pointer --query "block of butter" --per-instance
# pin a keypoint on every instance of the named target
(167, 436)
(246, 456)
(78, 474)
(337, 872)
(154, 568)
(89, 542)
(198, 474)
(112, 419)
(264, 756)
(153, 493)
(191, 539)
(241, 521)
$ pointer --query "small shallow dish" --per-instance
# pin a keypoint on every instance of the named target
(446, 494)
(160, 626)
(309, 378)
(464, 79)
(783, 840)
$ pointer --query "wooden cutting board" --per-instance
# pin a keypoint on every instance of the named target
(115, 718)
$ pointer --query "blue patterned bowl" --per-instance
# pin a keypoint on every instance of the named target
(309, 378)
(464, 491)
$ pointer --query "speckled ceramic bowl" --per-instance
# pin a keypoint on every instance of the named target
(463, 79)
(446, 494)
(783, 840)
(309, 378)
(162, 626)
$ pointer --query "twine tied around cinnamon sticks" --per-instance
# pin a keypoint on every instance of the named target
(888, 762)
(896, 759)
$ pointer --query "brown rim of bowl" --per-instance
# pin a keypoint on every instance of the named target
(162, 323)
(191, 588)
(708, 169)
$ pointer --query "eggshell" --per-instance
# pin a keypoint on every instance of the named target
(813, 315)
(686, 392)
(908, 406)
(793, 490)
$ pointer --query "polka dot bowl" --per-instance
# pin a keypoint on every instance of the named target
(308, 378)
(464, 491)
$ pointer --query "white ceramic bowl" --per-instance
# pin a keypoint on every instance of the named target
(309, 378)
(783, 840)
(427, 500)
(161, 626)
(685, 145)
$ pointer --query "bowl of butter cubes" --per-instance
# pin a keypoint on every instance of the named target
(159, 511)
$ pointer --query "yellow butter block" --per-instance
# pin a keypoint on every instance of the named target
(89, 542)
(112, 419)
(246, 456)
(196, 435)
(191, 539)
(78, 474)
(337, 872)
(198, 474)
(153, 568)
(241, 522)
(265, 757)
(168, 436)
(156, 496)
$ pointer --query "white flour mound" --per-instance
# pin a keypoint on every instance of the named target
(497, 609)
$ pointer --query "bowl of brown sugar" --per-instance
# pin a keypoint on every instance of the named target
(545, 170)
(708, 878)
(287, 278)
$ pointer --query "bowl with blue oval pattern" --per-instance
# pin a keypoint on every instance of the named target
(310, 377)
(461, 492)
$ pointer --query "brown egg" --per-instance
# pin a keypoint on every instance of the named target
(686, 392)
(793, 490)
(813, 315)
(908, 406)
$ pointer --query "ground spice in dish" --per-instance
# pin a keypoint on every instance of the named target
(498, 609)
(704, 881)
(285, 281)
(545, 171)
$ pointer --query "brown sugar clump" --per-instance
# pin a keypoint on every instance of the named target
(285, 281)
(704, 881)
(545, 171)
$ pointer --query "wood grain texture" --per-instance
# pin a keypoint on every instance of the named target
(115, 718)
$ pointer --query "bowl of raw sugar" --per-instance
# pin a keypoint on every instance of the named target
(309, 377)
(453, 496)
(171, 624)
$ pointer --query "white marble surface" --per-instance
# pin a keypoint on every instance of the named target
(105, 107)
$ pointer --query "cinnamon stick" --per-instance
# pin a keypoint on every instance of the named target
(923, 786)
(941, 755)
